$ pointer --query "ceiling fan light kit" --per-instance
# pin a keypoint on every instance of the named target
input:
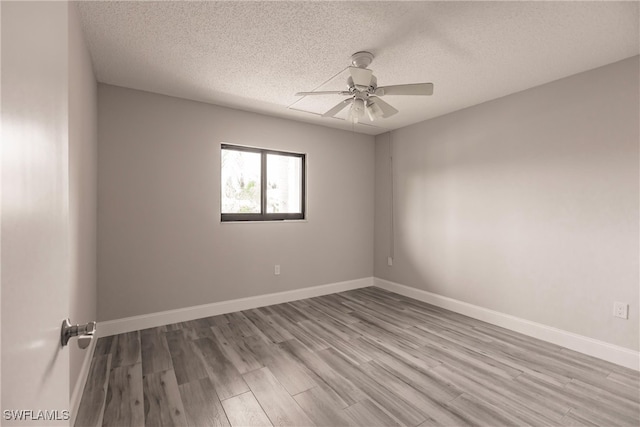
(363, 92)
(373, 111)
(357, 110)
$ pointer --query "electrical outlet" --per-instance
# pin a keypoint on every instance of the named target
(276, 270)
(389, 261)
(621, 310)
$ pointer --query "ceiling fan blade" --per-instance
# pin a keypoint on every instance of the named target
(361, 76)
(326, 92)
(335, 110)
(387, 110)
(410, 89)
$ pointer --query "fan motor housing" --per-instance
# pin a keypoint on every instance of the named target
(372, 86)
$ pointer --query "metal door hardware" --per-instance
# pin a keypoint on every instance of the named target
(83, 332)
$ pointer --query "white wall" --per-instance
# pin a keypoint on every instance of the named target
(161, 245)
(527, 205)
(83, 148)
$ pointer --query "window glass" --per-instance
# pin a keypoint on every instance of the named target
(240, 181)
(284, 194)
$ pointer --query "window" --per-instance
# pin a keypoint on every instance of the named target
(261, 185)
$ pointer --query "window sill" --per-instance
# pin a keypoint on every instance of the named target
(277, 221)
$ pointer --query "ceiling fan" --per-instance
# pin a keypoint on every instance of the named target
(364, 95)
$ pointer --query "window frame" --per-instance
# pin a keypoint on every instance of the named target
(263, 216)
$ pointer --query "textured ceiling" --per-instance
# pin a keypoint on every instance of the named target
(255, 55)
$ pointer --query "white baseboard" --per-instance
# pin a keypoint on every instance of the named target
(592, 347)
(152, 320)
(78, 387)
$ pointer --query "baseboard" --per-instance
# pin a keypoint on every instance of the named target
(128, 324)
(78, 388)
(592, 347)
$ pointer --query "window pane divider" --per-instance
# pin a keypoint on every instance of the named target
(263, 182)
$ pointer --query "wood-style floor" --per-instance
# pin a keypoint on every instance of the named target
(365, 357)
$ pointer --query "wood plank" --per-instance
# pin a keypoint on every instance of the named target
(498, 352)
(382, 315)
(104, 346)
(351, 351)
(201, 404)
(92, 404)
(225, 377)
(397, 407)
(530, 404)
(339, 313)
(605, 401)
(343, 388)
(247, 326)
(234, 317)
(577, 421)
(241, 326)
(419, 359)
(494, 391)
(325, 331)
(382, 328)
(321, 407)
(301, 305)
(125, 397)
(155, 351)
(476, 412)
(366, 413)
(235, 349)
(604, 417)
(293, 376)
(425, 382)
(628, 381)
(609, 390)
(433, 410)
(127, 349)
(221, 319)
(579, 401)
(446, 351)
(384, 337)
(244, 410)
(162, 401)
(517, 340)
(195, 324)
(172, 327)
(197, 333)
(267, 326)
(585, 416)
(277, 403)
(289, 313)
(187, 364)
(309, 339)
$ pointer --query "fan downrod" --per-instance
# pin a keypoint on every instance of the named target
(361, 59)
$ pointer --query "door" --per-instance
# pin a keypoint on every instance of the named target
(34, 222)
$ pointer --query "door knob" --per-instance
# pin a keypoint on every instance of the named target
(83, 332)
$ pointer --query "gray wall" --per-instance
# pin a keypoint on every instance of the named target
(83, 146)
(527, 205)
(161, 245)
